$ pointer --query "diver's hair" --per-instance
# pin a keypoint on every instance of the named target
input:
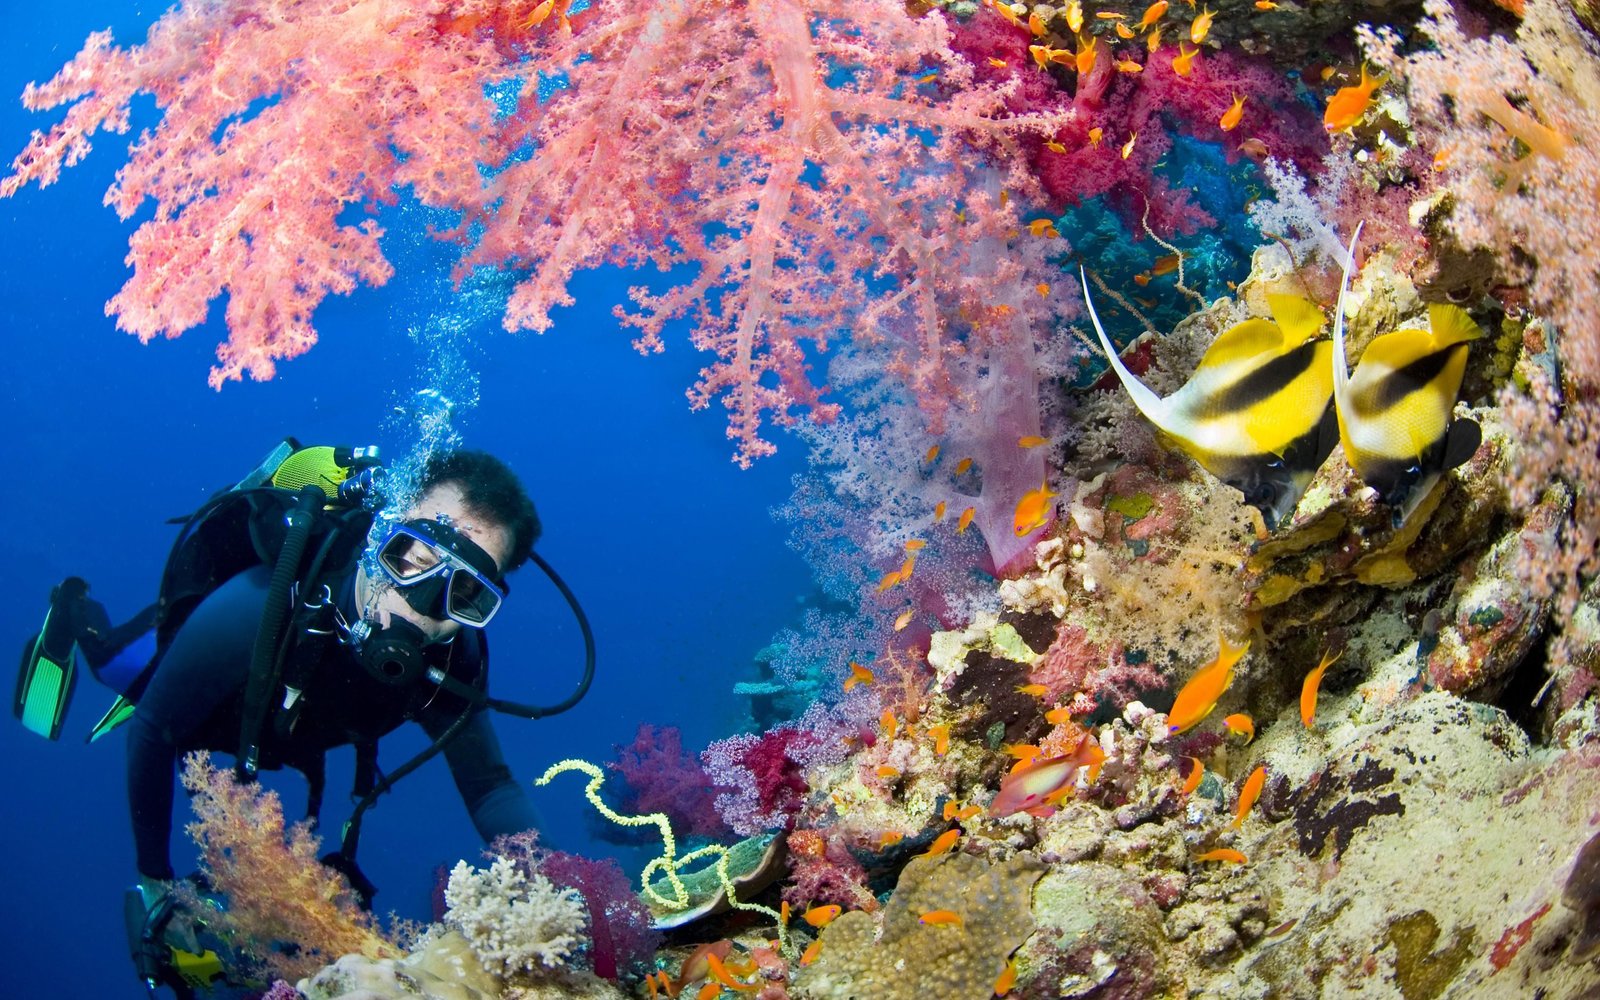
(490, 490)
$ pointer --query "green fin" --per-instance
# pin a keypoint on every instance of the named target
(48, 671)
(120, 711)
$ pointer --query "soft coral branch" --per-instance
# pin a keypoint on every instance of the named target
(789, 152)
(786, 152)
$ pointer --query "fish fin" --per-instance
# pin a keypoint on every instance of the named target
(1461, 442)
(1298, 318)
(1451, 325)
(1152, 406)
(1243, 342)
(1341, 367)
(1230, 654)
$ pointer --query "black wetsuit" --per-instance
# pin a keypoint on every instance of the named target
(195, 697)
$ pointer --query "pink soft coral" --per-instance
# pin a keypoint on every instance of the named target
(799, 154)
(1152, 104)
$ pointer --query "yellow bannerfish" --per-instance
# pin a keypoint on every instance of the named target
(1394, 412)
(1257, 413)
(1200, 695)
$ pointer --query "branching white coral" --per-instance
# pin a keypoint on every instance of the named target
(513, 922)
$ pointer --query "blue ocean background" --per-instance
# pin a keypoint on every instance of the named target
(683, 571)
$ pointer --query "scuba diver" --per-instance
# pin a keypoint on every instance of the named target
(368, 619)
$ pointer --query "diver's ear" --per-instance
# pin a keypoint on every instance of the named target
(1152, 406)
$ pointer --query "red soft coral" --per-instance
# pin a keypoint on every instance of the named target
(662, 778)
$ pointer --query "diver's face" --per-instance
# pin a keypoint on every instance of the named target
(443, 502)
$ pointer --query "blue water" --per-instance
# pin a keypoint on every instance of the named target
(671, 547)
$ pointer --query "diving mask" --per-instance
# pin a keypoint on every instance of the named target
(441, 573)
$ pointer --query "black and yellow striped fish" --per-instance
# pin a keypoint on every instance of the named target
(1257, 413)
(1395, 411)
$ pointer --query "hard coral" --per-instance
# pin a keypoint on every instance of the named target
(901, 958)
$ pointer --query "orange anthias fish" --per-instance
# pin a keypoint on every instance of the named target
(1198, 697)
(1127, 147)
(1183, 62)
(965, 520)
(1008, 979)
(1031, 441)
(1166, 264)
(1231, 117)
(1075, 16)
(1056, 716)
(941, 738)
(812, 951)
(942, 843)
(890, 724)
(1152, 14)
(1033, 510)
(1084, 60)
(698, 965)
(904, 619)
(1240, 724)
(955, 811)
(1223, 854)
(1033, 690)
(1094, 137)
(1128, 66)
(1308, 690)
(822, 916)
(932, 454)
(710, 991)
(1349, 105)
(720, 973)
(1249, 793)
(1197, 772)
(1035, 784)
(1123, 31)
(1201, 26)
(938, 511)
(936, 917)
(858, 675)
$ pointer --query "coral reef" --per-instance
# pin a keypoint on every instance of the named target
(1069, 718)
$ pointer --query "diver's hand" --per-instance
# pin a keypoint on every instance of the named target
(171, 912)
